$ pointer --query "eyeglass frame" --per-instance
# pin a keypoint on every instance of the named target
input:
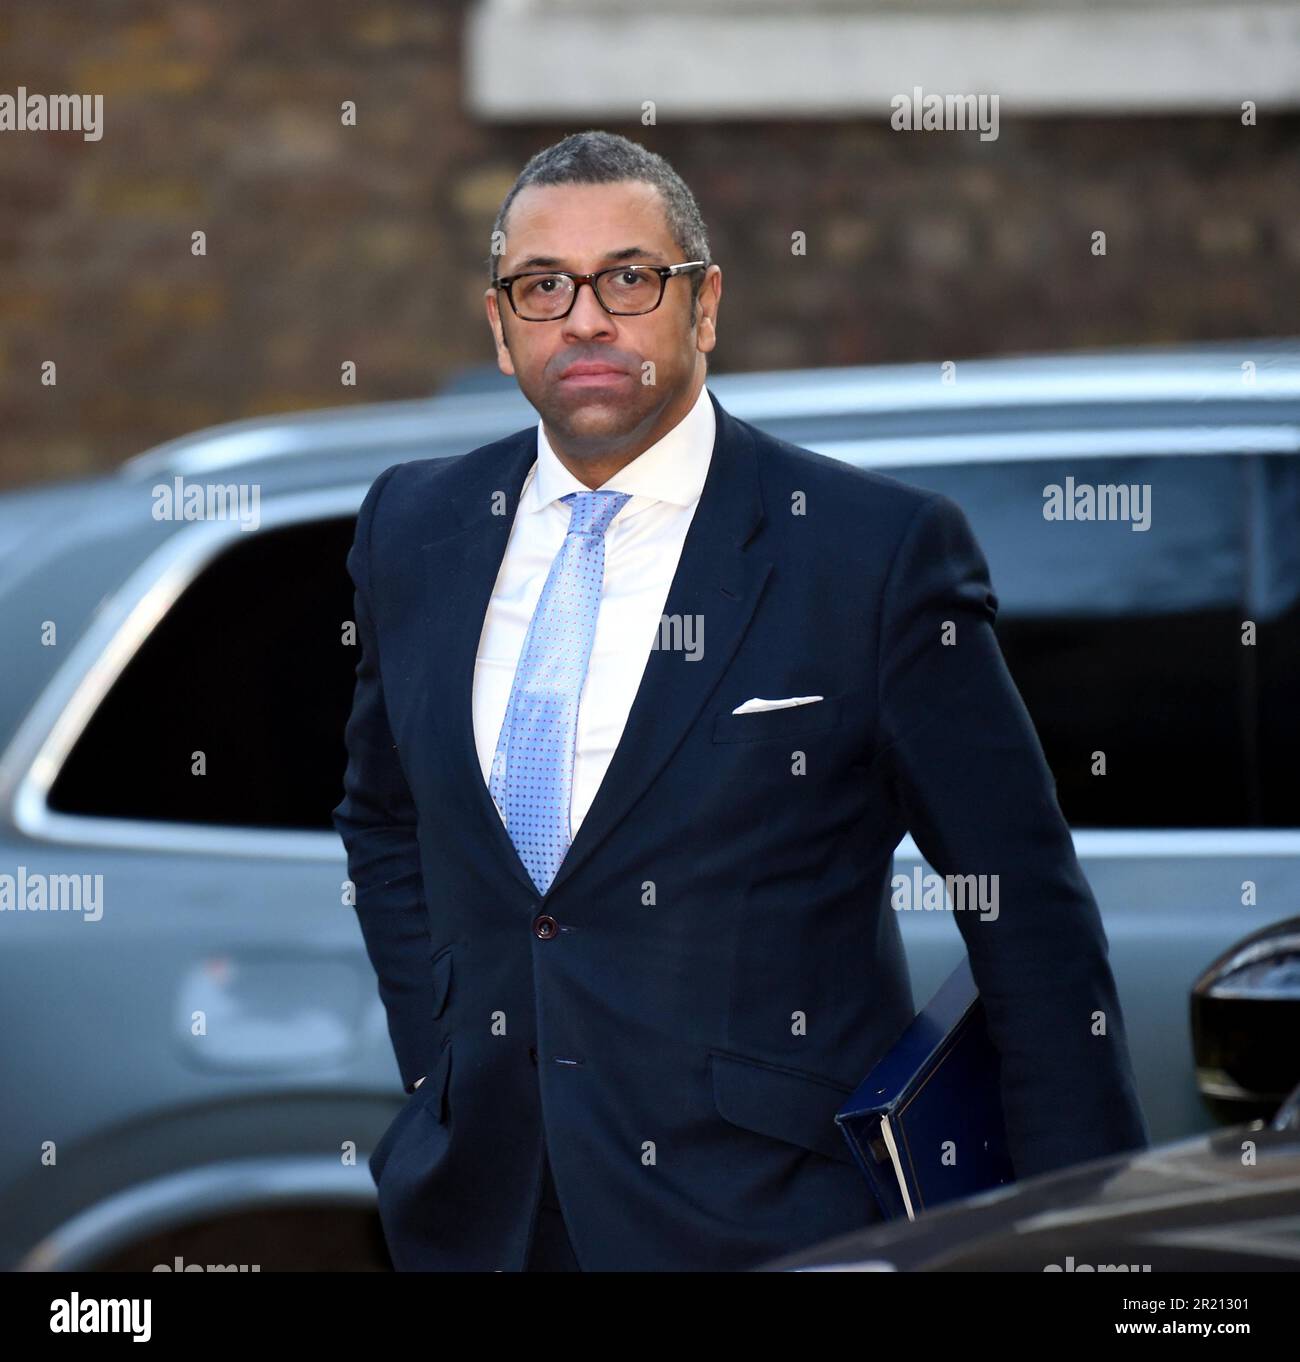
(665, 273)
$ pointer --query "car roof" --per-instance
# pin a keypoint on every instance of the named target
(910, 398)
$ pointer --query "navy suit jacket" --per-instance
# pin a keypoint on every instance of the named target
(722, 964)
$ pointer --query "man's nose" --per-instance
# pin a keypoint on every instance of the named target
(587, 316)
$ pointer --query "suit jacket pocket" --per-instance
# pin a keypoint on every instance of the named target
(430, 1096)
(786, 1104)
(791, 722)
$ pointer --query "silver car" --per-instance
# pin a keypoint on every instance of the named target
(199, 1077)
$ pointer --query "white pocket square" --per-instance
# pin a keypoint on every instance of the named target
(759, 706)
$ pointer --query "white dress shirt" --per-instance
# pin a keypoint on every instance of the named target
(642, 547)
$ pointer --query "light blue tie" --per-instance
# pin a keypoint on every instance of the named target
(532, 770)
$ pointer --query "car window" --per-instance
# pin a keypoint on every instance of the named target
(248, 667)
(1126, 640)
(1273, 600)
(1122, 641)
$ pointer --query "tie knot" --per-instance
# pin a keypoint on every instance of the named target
(591, 512)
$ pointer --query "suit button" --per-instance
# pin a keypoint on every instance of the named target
(532, 1053)
(545, 927)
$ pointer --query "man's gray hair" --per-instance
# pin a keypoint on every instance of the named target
(595, 157)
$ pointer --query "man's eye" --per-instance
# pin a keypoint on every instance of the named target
(539, 283)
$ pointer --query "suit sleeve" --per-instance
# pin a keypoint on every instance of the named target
(974, 787)
(377, 822)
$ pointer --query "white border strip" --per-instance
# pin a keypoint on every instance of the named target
(824, 61)
(1035, 445)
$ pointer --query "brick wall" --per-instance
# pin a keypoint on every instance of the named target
(328, 243)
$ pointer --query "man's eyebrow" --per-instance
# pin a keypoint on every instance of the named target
(553, 262)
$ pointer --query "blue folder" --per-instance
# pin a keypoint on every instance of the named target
(925, 1125)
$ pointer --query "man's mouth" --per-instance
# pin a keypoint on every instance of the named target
(594, 376)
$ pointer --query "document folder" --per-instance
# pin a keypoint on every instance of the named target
(925, 1125)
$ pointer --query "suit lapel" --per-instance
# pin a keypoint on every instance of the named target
(718, 582)
(460, 571)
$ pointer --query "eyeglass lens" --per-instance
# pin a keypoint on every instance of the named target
(630, 288)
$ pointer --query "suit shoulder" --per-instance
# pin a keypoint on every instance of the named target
(449, 471)
(424, 485)
(420, 475)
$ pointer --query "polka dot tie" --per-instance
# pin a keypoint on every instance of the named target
(532, 769)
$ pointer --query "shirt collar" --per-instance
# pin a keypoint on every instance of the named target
(673, 468)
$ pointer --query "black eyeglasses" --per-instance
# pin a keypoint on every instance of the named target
(622, 290)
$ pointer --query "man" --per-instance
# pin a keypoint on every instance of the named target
(646, 700)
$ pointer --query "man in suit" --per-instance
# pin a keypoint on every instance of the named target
(646, 699)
